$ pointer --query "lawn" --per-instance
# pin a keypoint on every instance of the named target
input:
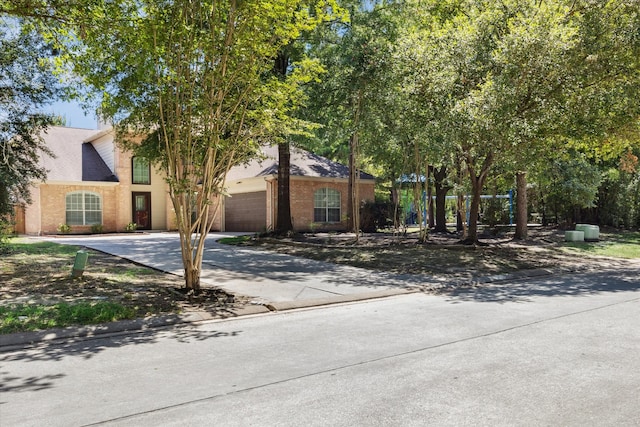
(617, 245)
(37, 290)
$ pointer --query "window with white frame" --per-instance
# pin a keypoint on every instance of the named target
(326, 205)
(141, 170)
(83, 208)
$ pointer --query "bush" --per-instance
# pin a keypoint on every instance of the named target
(131, 227)
(375, 216)
(97, 228)
(6, 231)
(495, 211)
(64, 228)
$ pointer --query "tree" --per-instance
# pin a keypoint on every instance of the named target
(26, 84)
(190, 88)
(293, 69)
(513, 72)
(355, 55)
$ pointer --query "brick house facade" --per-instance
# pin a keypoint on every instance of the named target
(88, 167)
(310, 175)
(92, 181)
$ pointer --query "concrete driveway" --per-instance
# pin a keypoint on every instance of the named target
(267, 277)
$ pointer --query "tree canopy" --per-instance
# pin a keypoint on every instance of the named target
(188, 85)
(26, 85)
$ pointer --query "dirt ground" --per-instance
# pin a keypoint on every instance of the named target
(441, 256)
(45, 278)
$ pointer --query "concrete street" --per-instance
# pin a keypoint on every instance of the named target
(557, 350)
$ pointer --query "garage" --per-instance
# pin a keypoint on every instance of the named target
(246, 212)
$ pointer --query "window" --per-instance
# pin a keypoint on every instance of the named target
(83, 208)
(141, 170)
(326, 205)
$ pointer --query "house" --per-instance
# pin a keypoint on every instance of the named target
(318, 187)
(93, 184)
(91, 181)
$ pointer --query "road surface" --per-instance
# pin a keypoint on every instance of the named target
(550, 351)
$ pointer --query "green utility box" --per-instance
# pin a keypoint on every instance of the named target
(80, 263)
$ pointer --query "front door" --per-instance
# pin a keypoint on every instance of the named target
(142, 210)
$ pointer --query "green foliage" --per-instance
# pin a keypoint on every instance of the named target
(32, 317)
(495, 211)
(347, 99)
(376, 216)
(568, 184)
(190, 87)
(26, 84)
(508, 80)
(6, 231)
(619, 195)
(97, 228)
(64, 228)
(131, 227)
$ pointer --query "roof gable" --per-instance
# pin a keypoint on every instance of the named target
(93, 166)
(303, 163)
(73, 160)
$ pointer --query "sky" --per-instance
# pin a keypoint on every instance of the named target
(74, 115)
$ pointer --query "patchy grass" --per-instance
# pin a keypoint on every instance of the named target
(619, 245)
(38, 292)
(237, 240)
(32, 317)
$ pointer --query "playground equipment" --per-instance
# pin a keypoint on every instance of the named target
(408, 205)
(408, 209)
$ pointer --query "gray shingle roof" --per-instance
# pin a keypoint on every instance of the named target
(303, 163)
(74, 160)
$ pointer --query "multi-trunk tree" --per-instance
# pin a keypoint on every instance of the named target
(189, 85)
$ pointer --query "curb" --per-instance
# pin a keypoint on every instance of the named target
(18, 341)
(21, 340)
(319, 302)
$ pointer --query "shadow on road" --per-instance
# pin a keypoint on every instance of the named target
(567, 285)
(34, 383)
(258, 265)
(86, 348)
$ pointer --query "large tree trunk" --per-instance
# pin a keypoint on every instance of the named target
(521, 206)
(283, 213)
(353, 202)
(477, 183)
(353, 207)
(430, 205)
(439, 176)
(283, 218)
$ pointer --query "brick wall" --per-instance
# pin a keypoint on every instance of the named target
(302, 191)
(53, 207)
